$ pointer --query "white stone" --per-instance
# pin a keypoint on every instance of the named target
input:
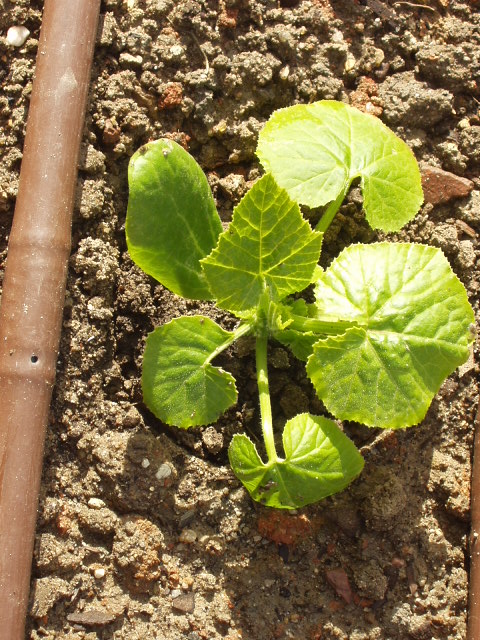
(188, 536)
(350, 62)
(164, 471)
(96, 503)
(17, 35)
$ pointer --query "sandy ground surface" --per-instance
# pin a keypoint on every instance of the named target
(143, 532)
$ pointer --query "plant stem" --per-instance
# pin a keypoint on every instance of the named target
(330, 326)
(327, 218)
(264, 396)
(240, 331)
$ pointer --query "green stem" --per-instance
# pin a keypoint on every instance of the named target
(240, 331)
(330, 326)
(327, 218)
(264, 395)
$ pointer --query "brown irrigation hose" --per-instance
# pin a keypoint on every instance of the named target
(34, 285)
(473, 632)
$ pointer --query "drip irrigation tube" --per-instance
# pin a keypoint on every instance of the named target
(473, 624)
(34, 285)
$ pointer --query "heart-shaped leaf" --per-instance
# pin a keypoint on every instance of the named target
(267, 245)
(319, 460)
(172, 222)
(315, 151)
(414, 329)
(179, 384)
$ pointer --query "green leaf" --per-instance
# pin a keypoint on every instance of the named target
(319, 460)
(314, 151)
(172, 222)
(300, 342)
(180, 386)
(414, 330)
(267, 245)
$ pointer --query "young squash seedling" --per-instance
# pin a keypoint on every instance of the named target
(389, 323)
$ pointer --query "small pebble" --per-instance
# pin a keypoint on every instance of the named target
(145, 463)
(95, 503)
(338, 579)
(17, 35)
(164, 471)
(350, 62)
(99, 574)
(188, 536)
(184, 603)
(92, 618)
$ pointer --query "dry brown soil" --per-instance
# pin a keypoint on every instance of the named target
(143, 532)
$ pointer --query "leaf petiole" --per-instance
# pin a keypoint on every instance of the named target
(327, 218)
(332, 326)
(239, 332)
(264, 397)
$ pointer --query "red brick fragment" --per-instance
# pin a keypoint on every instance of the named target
(284, 529)
(172, 96)
(442, 186)
(338, 579)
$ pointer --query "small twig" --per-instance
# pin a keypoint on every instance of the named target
(207, 63)
(383, 11)
(194, 38)
(414, 6)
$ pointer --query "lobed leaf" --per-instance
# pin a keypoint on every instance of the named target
(319, 460)
(314, 151)
(172, 222)
(414, 330)
(179, 384)
(268, 245)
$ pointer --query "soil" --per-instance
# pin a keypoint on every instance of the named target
(143, 531)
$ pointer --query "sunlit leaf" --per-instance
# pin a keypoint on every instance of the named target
(315, 151)
(319, 461)
(180, 386)
(267, 245)
(414, 329)
(172, 222)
